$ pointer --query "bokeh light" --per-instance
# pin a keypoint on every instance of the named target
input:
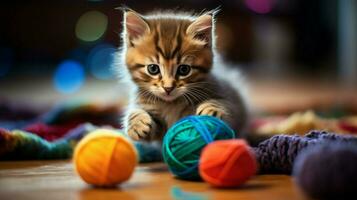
(100, 61)
(69, 76)
(91, 26)
(260, 6)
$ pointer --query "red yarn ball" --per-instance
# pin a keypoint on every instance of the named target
(227, 163)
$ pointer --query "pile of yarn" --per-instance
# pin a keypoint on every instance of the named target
(202, 147)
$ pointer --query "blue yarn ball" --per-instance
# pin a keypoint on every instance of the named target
(328, 171)
(184, 141)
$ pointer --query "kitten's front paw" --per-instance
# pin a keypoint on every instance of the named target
(212, 108)
(140, 125)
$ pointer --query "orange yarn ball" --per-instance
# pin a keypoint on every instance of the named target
(105, 158)
(227, 163)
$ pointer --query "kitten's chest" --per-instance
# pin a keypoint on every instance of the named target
(170, 113)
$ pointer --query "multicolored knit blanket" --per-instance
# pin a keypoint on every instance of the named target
(27, 134)
(53, 135)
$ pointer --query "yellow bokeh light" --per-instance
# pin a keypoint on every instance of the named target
(91, 26)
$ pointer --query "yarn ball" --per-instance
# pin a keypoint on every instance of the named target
(184, 141)
(105, 158)
(227, 163)
(328, 171)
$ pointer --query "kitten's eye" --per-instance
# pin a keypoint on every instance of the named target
(153, 69)
(183, 70)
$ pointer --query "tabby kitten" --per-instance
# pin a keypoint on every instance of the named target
(170, 59)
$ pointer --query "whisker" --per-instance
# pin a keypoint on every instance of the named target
(188, 98)
(200, 93)
(199, 97)
(190, 94)
(203, 89)
(195, 95)
(149, 96)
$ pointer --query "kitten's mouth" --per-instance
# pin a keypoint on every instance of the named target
(168, 97)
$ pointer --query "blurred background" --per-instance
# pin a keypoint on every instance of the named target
(290, 51)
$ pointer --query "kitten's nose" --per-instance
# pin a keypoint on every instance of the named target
(168, 90)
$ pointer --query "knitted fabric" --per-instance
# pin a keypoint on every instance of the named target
(277, 154)
(49, 132)
(26, 133)
(22, 145)
(18, 145)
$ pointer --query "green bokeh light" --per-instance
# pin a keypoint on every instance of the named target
(91, 26)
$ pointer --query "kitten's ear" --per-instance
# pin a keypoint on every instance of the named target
(135, 25)
(201, 28)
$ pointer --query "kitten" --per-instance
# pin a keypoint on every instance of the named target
(170, 58)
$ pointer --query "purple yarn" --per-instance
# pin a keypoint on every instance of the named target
(328, 171)
(277, 154)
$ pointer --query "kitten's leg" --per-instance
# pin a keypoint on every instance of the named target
(140, 125)
(213, 108)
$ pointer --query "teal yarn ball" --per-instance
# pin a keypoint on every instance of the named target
(184, 141)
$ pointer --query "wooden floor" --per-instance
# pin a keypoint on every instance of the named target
(57, 180)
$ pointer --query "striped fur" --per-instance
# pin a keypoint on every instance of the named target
(170, 40)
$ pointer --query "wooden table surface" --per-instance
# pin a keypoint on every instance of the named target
(57, 180)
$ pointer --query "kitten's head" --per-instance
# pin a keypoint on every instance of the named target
(167, 54)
